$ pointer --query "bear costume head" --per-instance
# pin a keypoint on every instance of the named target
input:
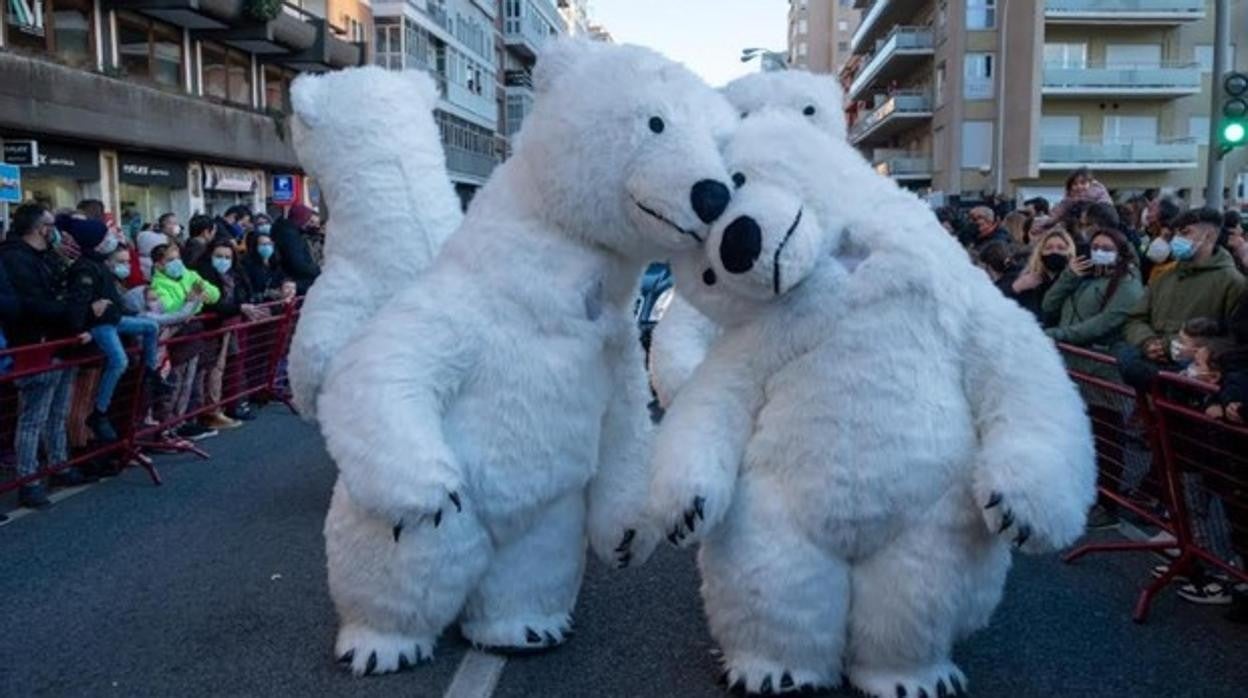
(622, 146)
(818, 98)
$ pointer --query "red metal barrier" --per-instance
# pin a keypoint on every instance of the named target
(247, 354)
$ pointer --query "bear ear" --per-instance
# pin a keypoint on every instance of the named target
(305, 98)
(419, 82)
(557, 58)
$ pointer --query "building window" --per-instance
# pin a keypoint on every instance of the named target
(842, 46)
(226, 74)
(802, 49)
(842, 25)
(938, 149)
(1204, 56)
(981, 14)
(976, 144)
(1129, 129)
(802, 26)
(61, 28)
(149, 50)
(1198, 129)
(387, 46)
(939, 87)
(978, 76)
(1066, 55)
(277, 88)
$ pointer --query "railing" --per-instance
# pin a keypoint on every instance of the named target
(904, 103)
(908, 39)
(911, 165)
(1124, 9)
(438, 14)
(468, 162)
(518, 78)
(1175, 152)
(1142, 77)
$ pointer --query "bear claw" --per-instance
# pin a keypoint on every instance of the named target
(993, 500)
(371, 666)
(1024, 532)
(347, 657)
(454, 496)
(765, 687)
(398, 528)
(531, 636)
(1007, 520)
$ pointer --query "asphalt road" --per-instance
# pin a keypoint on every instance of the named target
(214, 584)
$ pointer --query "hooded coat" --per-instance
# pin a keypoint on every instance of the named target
(1211, 288)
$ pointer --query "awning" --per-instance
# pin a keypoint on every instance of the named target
(236, 179)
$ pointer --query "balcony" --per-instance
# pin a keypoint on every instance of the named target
(1120, 155)
(466, 164)
(901, 165)
(894, 115)
(1158, 12)
(525, 33)
(1122, 81)
(878, 18)
(896, 56)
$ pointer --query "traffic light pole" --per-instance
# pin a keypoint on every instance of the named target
(1221, 56)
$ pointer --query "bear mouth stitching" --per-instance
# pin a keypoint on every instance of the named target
(659, 216)
(775, 260)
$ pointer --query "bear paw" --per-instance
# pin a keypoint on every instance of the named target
(687, 510)
(755, 676)
(364, 651)
(634, 548)
(1016, 519)
(519, 636)
(940, 680)
(451, 501)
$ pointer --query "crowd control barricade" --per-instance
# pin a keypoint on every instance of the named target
(249, 354)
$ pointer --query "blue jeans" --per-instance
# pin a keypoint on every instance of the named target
(108, 339)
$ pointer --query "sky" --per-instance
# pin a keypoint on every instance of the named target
(705, 35)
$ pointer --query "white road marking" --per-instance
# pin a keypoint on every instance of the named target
(477, 676)
(56, 496)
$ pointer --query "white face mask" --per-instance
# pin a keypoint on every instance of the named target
(107, 245)
(1159, 250)
(1104, 258)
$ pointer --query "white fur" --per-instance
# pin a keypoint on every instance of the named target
(845, 434)
(682, 337)
(509, 373)
(369, 138)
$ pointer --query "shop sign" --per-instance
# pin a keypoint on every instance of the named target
(284, 189)
(21, 153)
(234, 179)
(10, 184)
(151, 170)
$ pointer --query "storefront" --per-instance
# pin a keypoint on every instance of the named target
(226, 186)
(151, 185)
(61, 175)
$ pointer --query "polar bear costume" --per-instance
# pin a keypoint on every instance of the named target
(682, 337)
(494, 413)
(861, 447)
(369, 138)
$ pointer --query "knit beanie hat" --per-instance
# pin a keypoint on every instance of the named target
(300, 215)
(86, 232)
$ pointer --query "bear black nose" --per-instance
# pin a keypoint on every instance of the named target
(741, 245)
(710, 198)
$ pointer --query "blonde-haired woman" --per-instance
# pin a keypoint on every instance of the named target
(1016, 225)
(1050, 256)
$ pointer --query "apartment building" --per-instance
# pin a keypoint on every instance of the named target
(454, 40)
(160, 105)
(575, 14)
(960, 97)
(820, 32)
(526, 25)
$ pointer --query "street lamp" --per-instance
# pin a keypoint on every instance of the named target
(771, 60)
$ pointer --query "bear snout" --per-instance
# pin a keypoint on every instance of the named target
(709, 199)
(741, 245)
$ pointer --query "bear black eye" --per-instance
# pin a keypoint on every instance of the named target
(708, 277)
(809, 110)
(739, 180)
(656, 124)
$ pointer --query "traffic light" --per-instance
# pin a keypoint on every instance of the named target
(1234, 127)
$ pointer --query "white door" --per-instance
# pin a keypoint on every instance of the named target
(1132, 54)
(1130, 129)
(1059, 129)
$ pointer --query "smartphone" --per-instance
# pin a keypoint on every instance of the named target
(1083, 249)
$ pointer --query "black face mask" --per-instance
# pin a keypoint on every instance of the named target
(1055, 262)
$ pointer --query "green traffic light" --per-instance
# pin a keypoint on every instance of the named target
(1233, 133)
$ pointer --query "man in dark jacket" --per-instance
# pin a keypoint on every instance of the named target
(987, 230)
(38, 276)
(288, 235)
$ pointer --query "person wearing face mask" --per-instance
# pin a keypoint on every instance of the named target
(1203, 283)
(167, 231)
(1160, 216)
(232, 308)
(1093, 296)
(95, 281)
(263, 266)
(1049, 258)
(291, 237)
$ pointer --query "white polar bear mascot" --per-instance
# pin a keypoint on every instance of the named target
(681, 338)
(369, 138)
(860, 448)
(494, 413)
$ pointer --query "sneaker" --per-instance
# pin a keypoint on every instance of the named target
(33, 497)
(71, 477)
(99, 425)
(241, 412)
(1211, 593)
(218, 420)
(1100, 518)
(192, 431)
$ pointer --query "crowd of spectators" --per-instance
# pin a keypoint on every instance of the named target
(76, 275)
(1145, 279)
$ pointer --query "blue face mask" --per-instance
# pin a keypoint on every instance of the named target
(56, 238)
(175, 269)
(265, 251)
(1182, 248)
(264, 228)
(121, 270)
(222, 264)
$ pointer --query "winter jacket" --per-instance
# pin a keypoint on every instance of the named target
(173, 292)
(1211, 289)
(238, 287)
(10, 305)
(90, 281)
(1086, 319)
(1033, 300)
(297, 261)
(265, 280)
(38, 278)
